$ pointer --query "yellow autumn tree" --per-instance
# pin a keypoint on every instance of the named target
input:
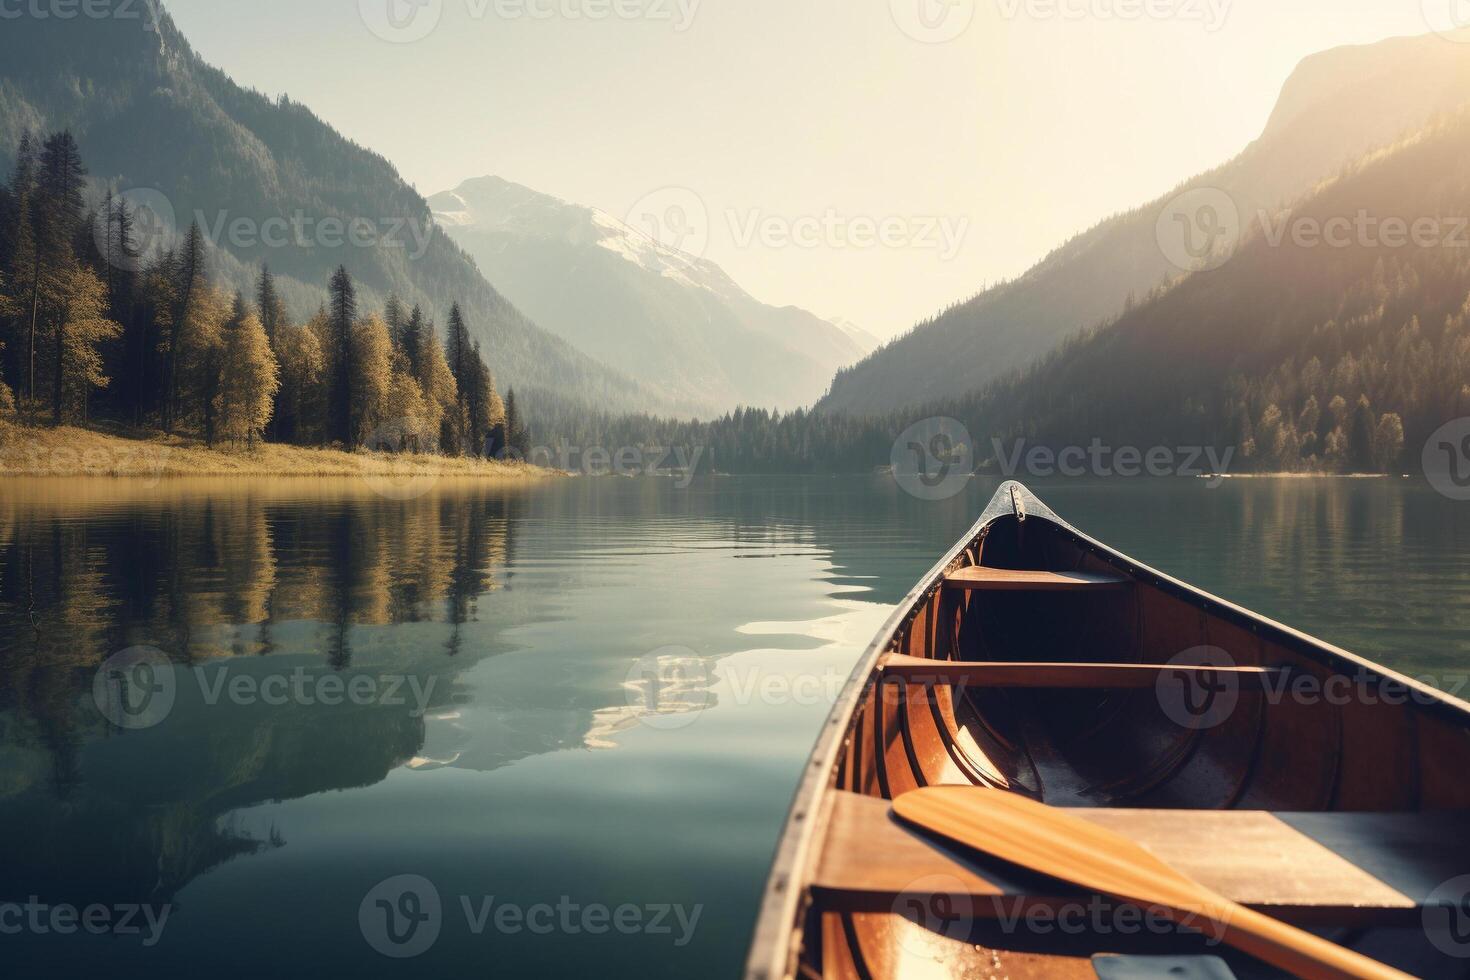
(249, 380)
(436, 381)
(303, 366)
(80, 328)
(372, 377)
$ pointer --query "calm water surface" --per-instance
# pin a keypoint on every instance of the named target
(549, 767)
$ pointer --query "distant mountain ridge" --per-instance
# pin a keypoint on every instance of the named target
(1296, 352)
(676, 321)
(1336, 106)
(149, 113)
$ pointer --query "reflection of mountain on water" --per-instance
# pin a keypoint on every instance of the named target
(265, 577)
(142, 813)
(242, 585)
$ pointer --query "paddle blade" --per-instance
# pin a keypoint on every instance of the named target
(1053, 842)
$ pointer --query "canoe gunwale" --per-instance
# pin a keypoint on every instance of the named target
(775, 945)
(774, 948)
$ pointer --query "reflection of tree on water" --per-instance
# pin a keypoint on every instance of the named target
(93, 813)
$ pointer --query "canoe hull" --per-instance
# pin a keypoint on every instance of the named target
(1263, 720)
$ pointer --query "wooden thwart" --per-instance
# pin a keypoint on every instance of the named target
(980, 579)
(1069, 676)
(1273, 863)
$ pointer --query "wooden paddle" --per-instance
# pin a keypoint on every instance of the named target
(1057, 844)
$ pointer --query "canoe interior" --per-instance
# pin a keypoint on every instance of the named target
(1398, 754)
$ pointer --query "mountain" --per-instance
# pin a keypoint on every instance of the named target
(149, 113)
(857, 334)
(1309, 347)
(1334, 338)
(1336, 106)
(673, 320)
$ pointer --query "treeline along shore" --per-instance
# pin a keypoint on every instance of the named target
(106, 343)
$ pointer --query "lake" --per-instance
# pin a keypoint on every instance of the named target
(573, 713)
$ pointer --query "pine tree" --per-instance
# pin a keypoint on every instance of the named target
(1360, 437)
(478, 400)
(518, 442)
(457, 352)
(21, 270)
(1388, 443)
(59, 211)
(396, 318)
(120, 257)
(413, 341)
(268, 305)
(342, 321)
(191, 278)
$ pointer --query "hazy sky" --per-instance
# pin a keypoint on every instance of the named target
(868, 159)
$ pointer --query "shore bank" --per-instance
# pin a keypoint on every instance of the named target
(69, 451)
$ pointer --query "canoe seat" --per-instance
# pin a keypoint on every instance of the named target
(1066, 676)
(1311, 869)
(977, 578)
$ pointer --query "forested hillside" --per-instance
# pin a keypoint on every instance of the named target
(92, 329)
(147, 112)
(1337, 106)
(1336, 339)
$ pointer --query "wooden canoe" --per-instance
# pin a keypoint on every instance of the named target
(1290, 776)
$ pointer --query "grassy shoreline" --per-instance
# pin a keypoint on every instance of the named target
(75, 452)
